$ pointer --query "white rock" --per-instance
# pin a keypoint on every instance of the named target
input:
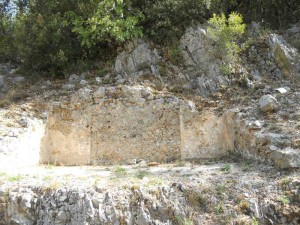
(98, 80)
(282, 90)
(100, 92)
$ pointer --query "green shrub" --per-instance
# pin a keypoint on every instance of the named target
(226, 33)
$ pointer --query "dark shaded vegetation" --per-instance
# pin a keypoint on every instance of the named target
(55, 37)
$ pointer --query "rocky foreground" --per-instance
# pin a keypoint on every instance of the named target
(181, 193)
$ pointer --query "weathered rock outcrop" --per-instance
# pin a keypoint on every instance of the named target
(137, 59)
(205, 199)
(287, 57)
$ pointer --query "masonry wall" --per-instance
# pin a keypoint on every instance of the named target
(120, 126)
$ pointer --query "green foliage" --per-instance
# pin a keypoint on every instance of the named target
(54, 37)
(15, 178)
(166, 20)
(110, 22)
(226, 33)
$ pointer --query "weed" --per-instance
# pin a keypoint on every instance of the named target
(284, 181)
(255, 221)
(15, 178)
(54, 185)
(140, 174)
(284, 200)
(50, 166)
(244, 206)
(219, 208)
(195, 198)
(46, 178)
(226, 168)
(155, 182)
(183, 221)
(120, 171)
(245, 166)
(221, 189)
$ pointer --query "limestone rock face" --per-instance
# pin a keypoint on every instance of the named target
(202, 65)
(268, 103)
(287, 57)
(137, 60)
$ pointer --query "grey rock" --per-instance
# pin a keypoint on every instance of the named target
(1, 81)
(100, 93)
(268, 103)
(142, 58)
(74, 79)
(256, 125)
(84, 93)
(254, 29)
(23, 122)
(286, 158)
(256, 75)
(98, 80)
(48, 82)
(68, 87)
(83, 82)
(249, 83)
(279, 46)
(19, 79)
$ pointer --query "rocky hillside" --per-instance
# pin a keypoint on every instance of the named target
(160, 114)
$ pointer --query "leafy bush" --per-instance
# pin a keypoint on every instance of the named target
(110, 22)
(226, 34)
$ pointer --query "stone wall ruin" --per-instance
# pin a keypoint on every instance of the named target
(117, 125)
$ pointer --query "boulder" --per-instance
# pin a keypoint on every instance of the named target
(268, 103)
